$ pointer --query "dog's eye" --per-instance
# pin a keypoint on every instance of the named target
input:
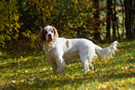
(52, 31)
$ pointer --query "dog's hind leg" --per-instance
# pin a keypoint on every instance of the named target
(91, 67)
(60, 64)
(85, 63)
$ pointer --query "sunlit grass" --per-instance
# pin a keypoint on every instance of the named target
(34, 71)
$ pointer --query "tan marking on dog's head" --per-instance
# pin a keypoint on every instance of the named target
(67, 44)
(55, 33)
(42, 35)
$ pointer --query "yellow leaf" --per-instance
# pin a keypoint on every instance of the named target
(22, 80)
(39, 64)
(51, 8)
(13, 81)
(3, 75)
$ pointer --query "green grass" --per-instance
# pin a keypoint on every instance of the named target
(32, 71)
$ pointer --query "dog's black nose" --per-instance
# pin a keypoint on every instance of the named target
(50, 36)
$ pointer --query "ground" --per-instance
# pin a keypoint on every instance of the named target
(24, 70)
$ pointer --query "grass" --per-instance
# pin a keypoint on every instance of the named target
(32, 71)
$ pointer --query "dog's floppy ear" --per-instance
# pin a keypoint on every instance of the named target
(41, 35)
(55, 33)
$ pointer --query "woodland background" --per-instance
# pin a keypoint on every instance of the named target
(97, 20)
(23, 65)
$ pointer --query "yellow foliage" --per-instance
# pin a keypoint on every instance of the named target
(15, 36)
(8, 37)
(16, 18)
(27, 33)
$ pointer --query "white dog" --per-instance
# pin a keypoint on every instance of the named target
(60, 50)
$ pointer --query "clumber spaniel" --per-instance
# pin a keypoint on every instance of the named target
(60, 50)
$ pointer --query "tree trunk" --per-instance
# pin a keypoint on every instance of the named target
(10, 20)
(133, 18)
(128, 18)
(108, 19)
(96, 20)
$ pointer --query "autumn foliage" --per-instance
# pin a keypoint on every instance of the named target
(21, 21)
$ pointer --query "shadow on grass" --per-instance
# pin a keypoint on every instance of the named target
(27, 64)
(53, 81)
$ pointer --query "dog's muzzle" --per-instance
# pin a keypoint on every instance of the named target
(50, 37)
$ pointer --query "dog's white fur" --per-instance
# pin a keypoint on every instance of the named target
(60, 50)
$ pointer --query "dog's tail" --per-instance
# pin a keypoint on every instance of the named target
(106, 53)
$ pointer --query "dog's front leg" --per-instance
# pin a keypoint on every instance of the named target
(54, 67)
(60, 64)
(53, 64)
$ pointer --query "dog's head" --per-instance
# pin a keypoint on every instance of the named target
(48, 34)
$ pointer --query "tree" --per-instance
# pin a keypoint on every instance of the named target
(9, 22)
(108, 19)
(129, 18)
(70, 17)
(96, 20)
